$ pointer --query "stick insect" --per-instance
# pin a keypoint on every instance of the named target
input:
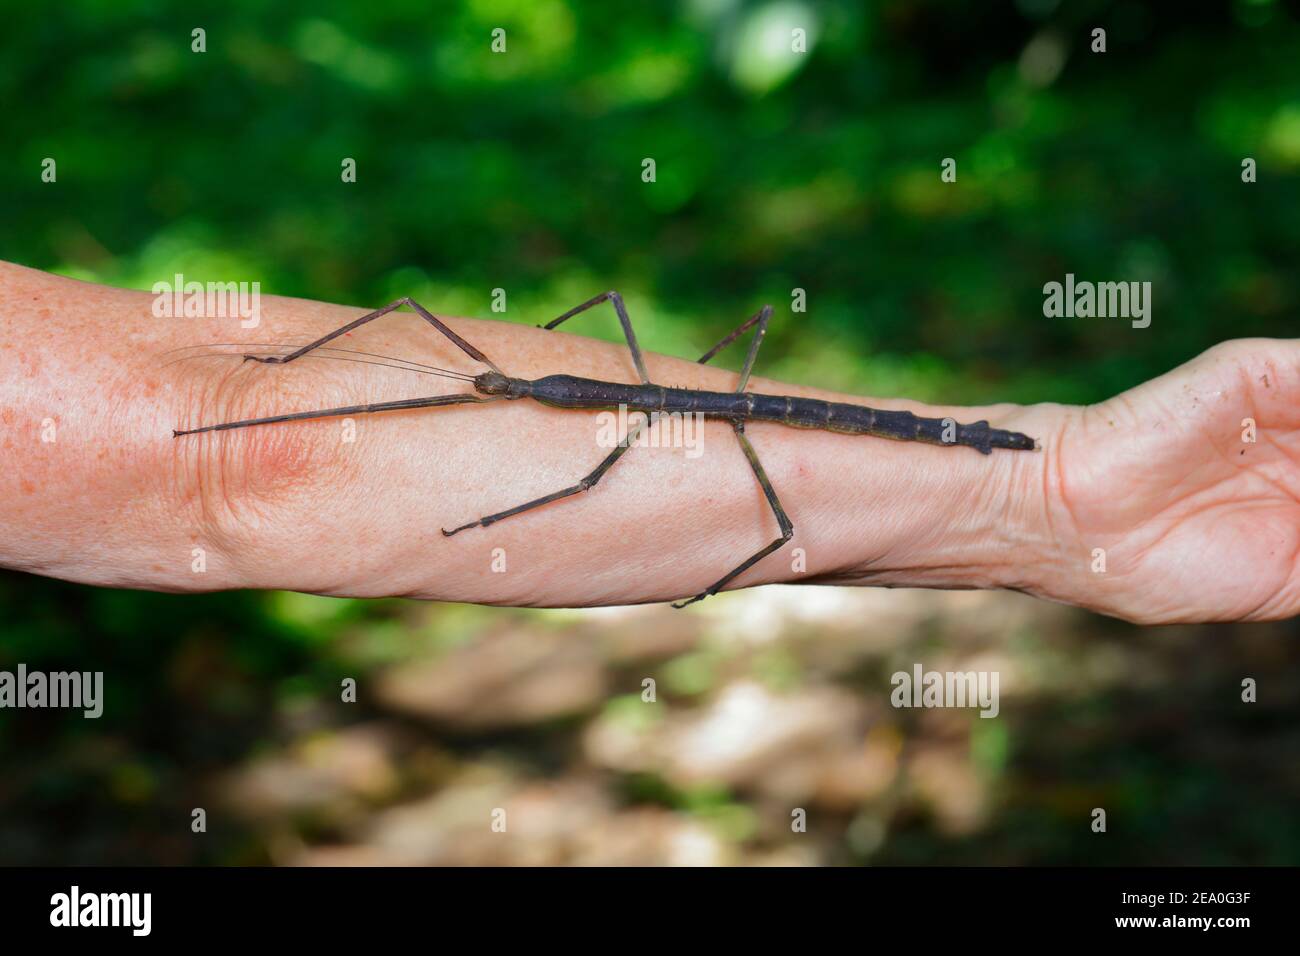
(568, 391)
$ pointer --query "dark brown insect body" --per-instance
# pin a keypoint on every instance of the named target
(569, 391)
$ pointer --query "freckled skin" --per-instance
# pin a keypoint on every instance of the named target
(1157, 480)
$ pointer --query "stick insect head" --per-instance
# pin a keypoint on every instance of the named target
(492, 383)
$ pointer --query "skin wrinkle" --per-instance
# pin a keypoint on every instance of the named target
(996, 497)
(193, 488)
(235, 482)
(1276, 590)
(1051, 487)
(1233, 462)
(1035, 524)
(1171, 527)
(1292, 458)
(967, 522)
(1055, 491)
(244, 477)
(1278, 596)
(1162, 525)
(995, 502)
(1245, 375)
(1291, 594)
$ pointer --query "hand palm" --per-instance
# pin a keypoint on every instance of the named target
(1197, 522)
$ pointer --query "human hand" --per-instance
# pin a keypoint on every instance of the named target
(1196, 522)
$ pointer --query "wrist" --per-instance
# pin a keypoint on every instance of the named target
(964, 520)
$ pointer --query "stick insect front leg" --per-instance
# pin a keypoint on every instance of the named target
(424, 313)
(401, 404)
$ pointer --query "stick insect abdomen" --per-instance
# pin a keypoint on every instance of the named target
(570, 391)
(898, 425)
(732, 405)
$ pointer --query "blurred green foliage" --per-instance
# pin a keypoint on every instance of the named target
(775, 170)
(522, 171)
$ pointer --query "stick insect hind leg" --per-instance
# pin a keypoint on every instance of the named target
(760, 320)
(787, 529)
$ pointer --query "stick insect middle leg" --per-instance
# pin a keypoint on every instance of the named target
(589, 481)
(623, 320)
(759, 318)
(585, 484)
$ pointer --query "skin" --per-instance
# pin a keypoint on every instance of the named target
(1196, 524)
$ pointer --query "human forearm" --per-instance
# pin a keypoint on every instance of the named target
(115, 500)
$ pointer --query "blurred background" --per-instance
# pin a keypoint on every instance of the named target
(774, 171)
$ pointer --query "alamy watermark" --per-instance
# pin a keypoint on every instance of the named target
(674, 430)
(133, 911)
(74, 689)
(213, 300)
(1101, 300)
(923, 688)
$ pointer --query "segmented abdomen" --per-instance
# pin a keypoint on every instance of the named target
(568, 391)
(899, 425)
